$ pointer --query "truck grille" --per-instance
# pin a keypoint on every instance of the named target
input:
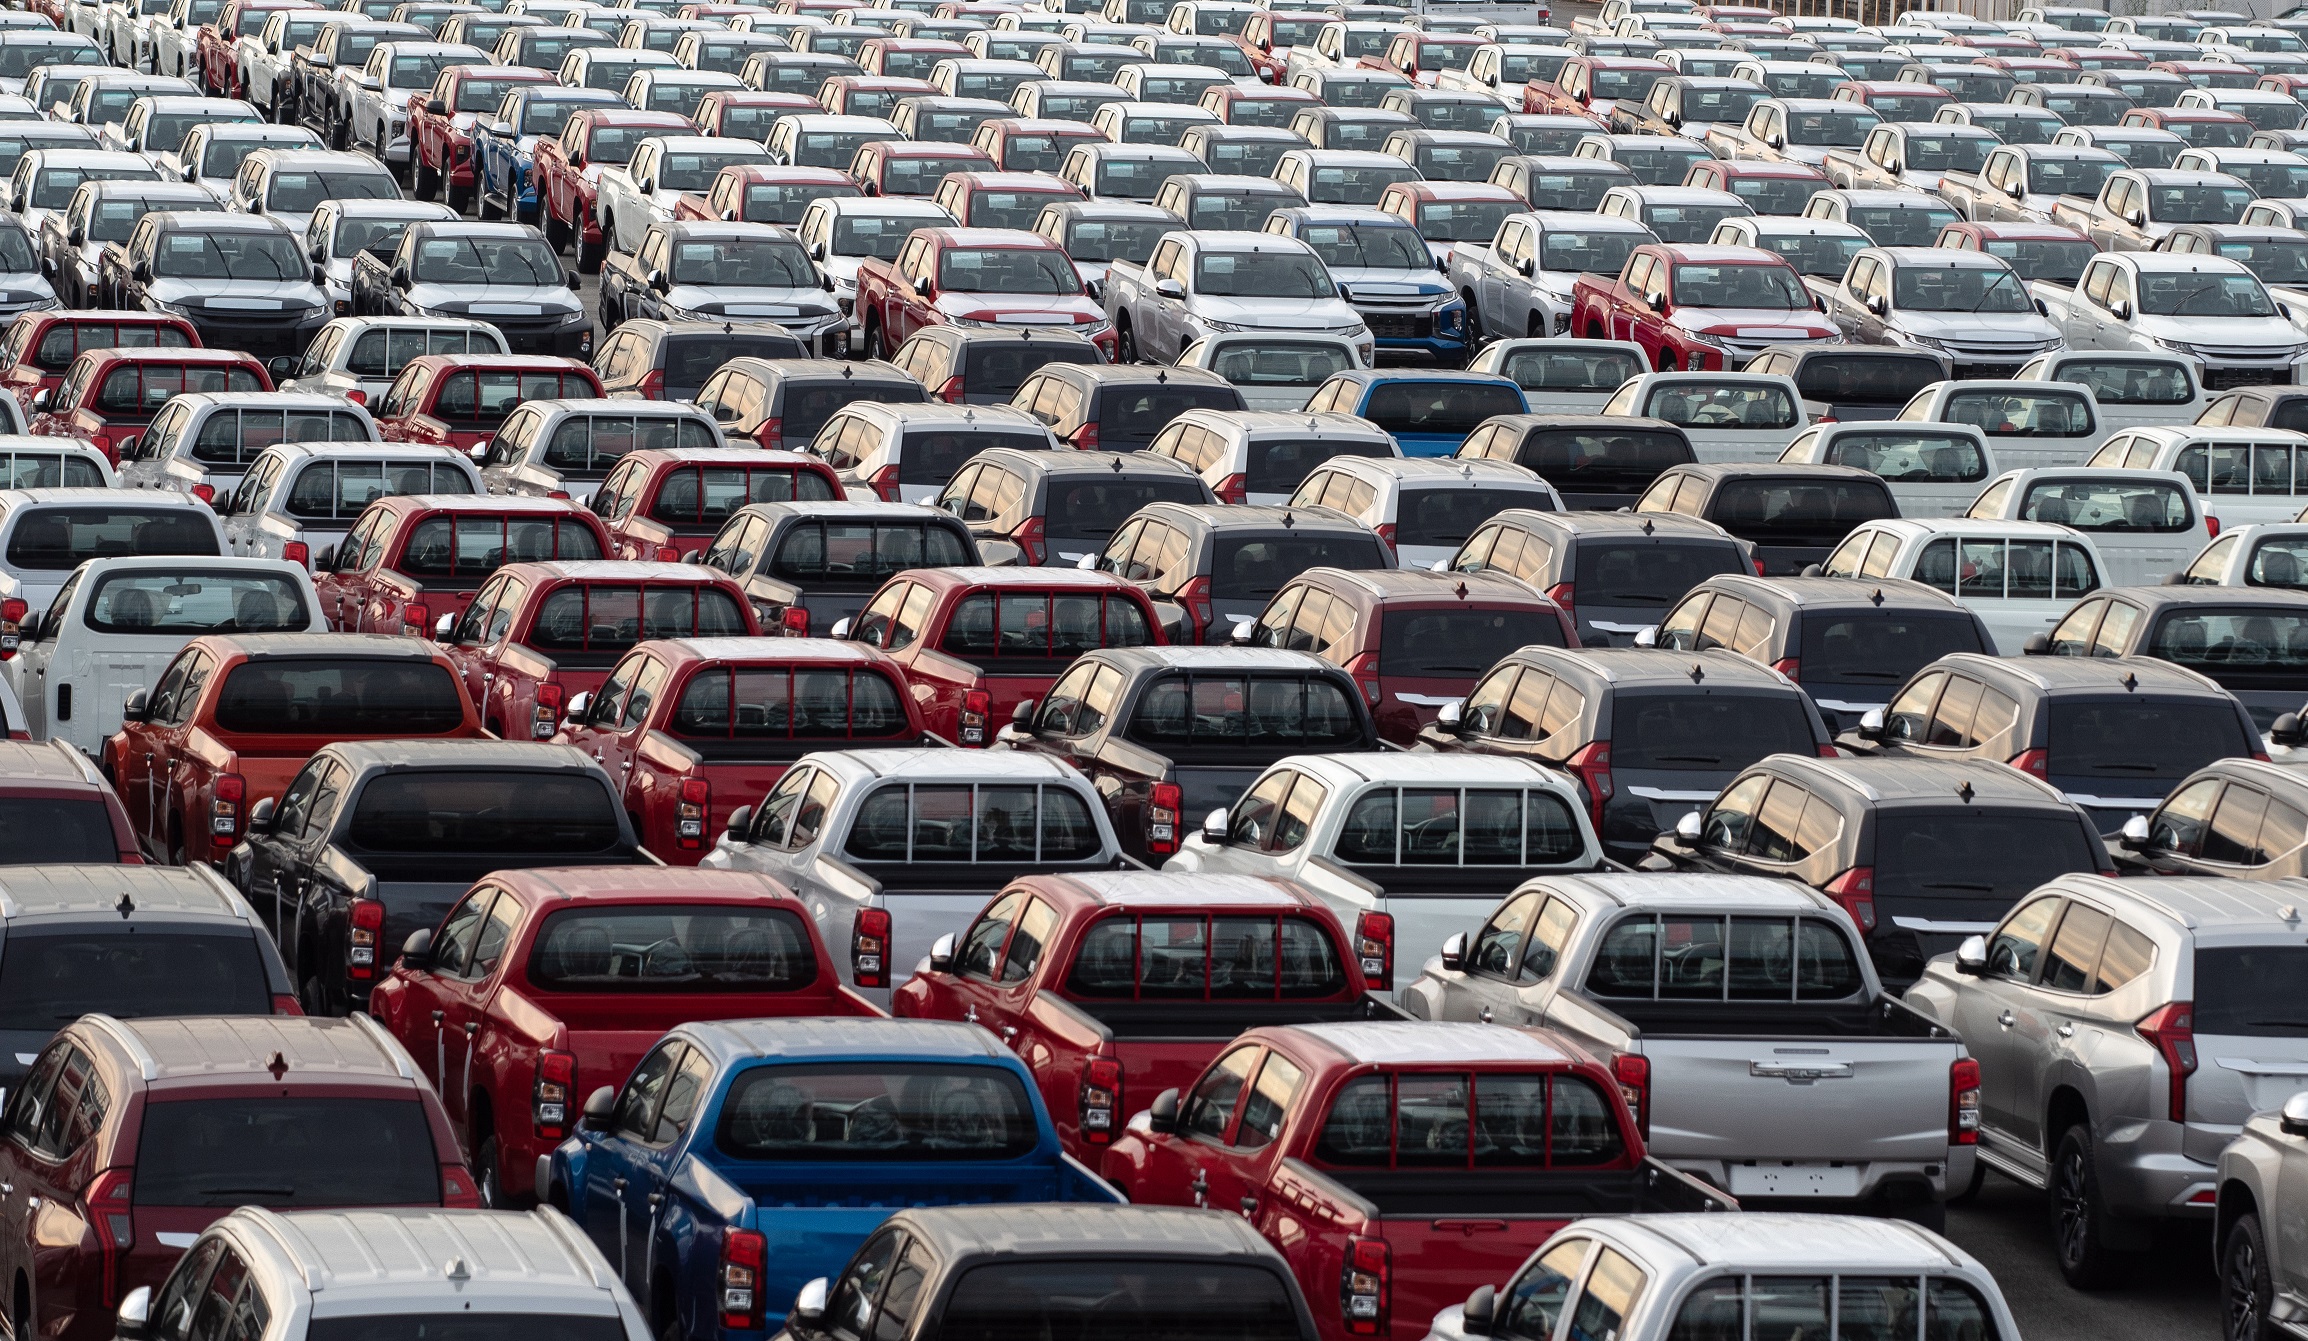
(1400, 325)
(2222, 379)
(1986, 372)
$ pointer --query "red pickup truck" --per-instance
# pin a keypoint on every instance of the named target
(763, 193)
(233, 719)
(974, 643)
(668, 503)
(1397, 1166)
(461, 400)
(568, 168)
(977, 275)
(417, 559)
(441, 126)
(109, 396)
(213, 43)
(696, 728)
(539, 635)
(1591, 86)
(1695, 308)
(39, 346)
(1118, 987)
(543, 983)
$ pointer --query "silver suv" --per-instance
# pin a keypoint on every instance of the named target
(2125, 1029)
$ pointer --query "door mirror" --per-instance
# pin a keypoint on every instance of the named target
(436, 107)
(1214, 826)
(137, 708)
(657, 281)
(443, 627)
(260, 815)
(1878, 303)
(1689, 827)
(1022, 716)
(942, 954)
(2294, 1122)
(417, 950)
(740, 820)
(1454, 953)
(41, 398)
(327, 562)
(2037, 645)
(1162, 1114)
(1871, 724)
(2137, 218)
(599, 1105)
(2121, 309)
(1971, 957)
(1475, 1318)
(577, 707)
(2286, 730)
(133, 1322)
(809, 1305)
(840, 629)
(1169, 288)
(1647, 637)
(78, 236)
(2134, 834)
(1451, 716)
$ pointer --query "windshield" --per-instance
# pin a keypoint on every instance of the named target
(1660, 167)
(547, 116)
(501, 810)
(1720, 104)
(1368, 246)
(2199, 204)
(1691, 223)
(164, 132)
(1356, 186)
(745, 262)
(611, 146)
(525, 261)
(1635, 84)
(54, 189)
(888, 1111)
(1464, 220)
(2069, 177)
(2195, 295)
(16, 256)
(382, 236)
(266, 256)
(831, 148)
(416, 71)
(230, 1152)
(1016, 270)
(1804, 83)
(1902, 227)
(302, 192)
(1754, 286)
(49, 979)
(18, 60)
(864, 235)
(1959, 289)
(1576, 192)
(1587, 253)
(1262, 275)
(2055, 261)
(1948, 153)
(1038, 153)
(696, 171)
(673, 948)
(338, 697)
(1235, 211)
(1774, 195)
(2272, 261)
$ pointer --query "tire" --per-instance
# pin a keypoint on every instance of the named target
(590, 255)
(460, 198)
(482, 208)
(314, 1000)
(556, 235)
(670, 1330)
(873, 340)
(2078, 1216)
(1475, 335)
(2246, 1289)
(488, 1164)
(1125, 343)
(425, 183)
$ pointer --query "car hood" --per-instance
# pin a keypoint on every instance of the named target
(229, 293)
(1754, 323)
(2240, 332)
(747, 300)
(493, 297)
(463, 122)
(1372, 282)
(1019, 309)
(1295, 314)
(28, 287)
(2000, 328)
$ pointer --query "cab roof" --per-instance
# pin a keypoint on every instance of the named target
(1410, 1042)
(673, 884)
(1134, 1233)
(1955, 783)
(173, 892)
(479, 1254)
(763, 651)
(620, 570)
(1669, 890)
(373, 646)
(1766, 1241)
(245, 1047)
(924, 763)
(513, 754)
(838, 1039)
(1139, 889)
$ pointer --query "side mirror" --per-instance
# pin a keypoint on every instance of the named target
(2121, 309)
(2293, 1121)
(572, 279)
(327, 561)
(840, 629)
(2134, 835)
(479, 451)
(1878, 304)
(320, 274)
(41, 398)
(1475, 1318)
(443, 627)
(579, 704)
(1214, 826)
(1169, 288)
(1871, 724)
(1162, 1114)
(436, 107)
(1971, 957)
(417, 950)
(260, 815)
(1022, 716)
(657, 281)
(2037, 645)
(2137, 218)
(129, 448)
(1689, 827)
(1451, 716)
(282, 365)
(809, 1305)
(1647, 637)
(599, 1106)
(399, 277)
(78, 237)
(942, 954)
(2286, 730)
(134, 1322)
(740, 820)
(1454, 953)
(135, 709)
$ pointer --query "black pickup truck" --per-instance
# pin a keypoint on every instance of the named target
(375, 840)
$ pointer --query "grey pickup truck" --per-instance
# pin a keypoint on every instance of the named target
(1746, 1027)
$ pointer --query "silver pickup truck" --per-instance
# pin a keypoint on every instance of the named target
(2021, 183)
(1745, 1025)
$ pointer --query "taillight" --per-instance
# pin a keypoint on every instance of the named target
(1030, 539)
(744, 1254)
(668, 554)
(1386, 533)
(417, 619)
(224, 809)
(285, 1004)
(549, 1097)
(1562, 594)
(1195, 596)
(653, 386)
(1233, 489)
(1963, 1102)
(2034, 763)
(1163, 802)
(977, 706)
(1633, 1072)
(1791, 667)
(885, 484)
(2173, 1031)
(2212, 524)
(869, 947)
(1085, 438)
(690, 811)
(1364, 669)
(297, 551)
(545, 717)
(107, 1200)
(457, 1189)
(1364, 1285)
(12, 614)
(206, 493)
(1758, 567)
(1374, 946)
(1855, 890)
(953, 392)
(367, 927)
(771, 434)
(1101, 1099)
(794, 621)
(1592, 767)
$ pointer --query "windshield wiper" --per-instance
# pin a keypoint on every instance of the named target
(1989, 291)
(2192, 295)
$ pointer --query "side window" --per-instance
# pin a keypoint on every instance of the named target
(1773, 836)
(1495, 945)
(983, 945)
(1209, 1110)
(2075, 952)
(689, 1084)
(1262, 1113)
(849, 1309)
(454, 945)
(1608, 1295)
(1253, 820)
(1029, 941)
(1733, 814)
(2235, 824)
(636, 1114)
(1534, 1302)
(1543, 948)
(2013, 951)
(2181, 825)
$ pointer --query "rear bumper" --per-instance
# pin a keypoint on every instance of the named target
(1882, 1184)
(2145, 1171)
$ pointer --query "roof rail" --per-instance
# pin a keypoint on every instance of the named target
(233, 902)
(402, 1065)
(86, 765)
(147, 1065)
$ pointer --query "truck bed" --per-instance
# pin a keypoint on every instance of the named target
(1152, 1021)
(1884, 1017)
(1551, 1194)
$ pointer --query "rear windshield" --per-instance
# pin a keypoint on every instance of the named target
(880, 1112)
(287, 1151)
(2240, 648)
(1911, 457)
(327, 696)
(442, 811)
(1163, 1301)
(676, 948)
(484, 398)
(1257, 712)
(1602, 460)
(696, 500)
(2021, 414)
(1543, 369)
(1043, 624)
(338, 490)
(50, 979)
(2134, 739)
(482, 543)
(1196, 957)
(61, 539)
(933, 456)
(1878, 649)
(806, 406)
(1439, 407)
(1648, 574)
(861, 554)
(1090, 507)
(2121, 383)
(383, 353)
(690, 359)
(196, 602)
(1691, 958)
(1871, 379)
(787, 703)
(66, 339)
(1255, 568)
(2126, 505)
(1799, 511)
(1000, 369)
(595, 618)
(1437, 1120)
(1140, 410)
(1705, 732)
(990, 823)
(1449, 516)
(2252, 991)
(1724, 408)
(1457, 643)
(1980, 855)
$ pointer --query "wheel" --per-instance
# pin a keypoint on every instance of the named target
(612, 311)
(482, 208)
(1969, 1192)
(590, 254)
(1474, 322)
(487, 1161)
(2245, 1287)
(2078, 1216)
(670, 1330)
(873, 340)
(556, 233)
(460, 198)
(341, 135)
(427, 182)
(313, 999)
(1125, 343)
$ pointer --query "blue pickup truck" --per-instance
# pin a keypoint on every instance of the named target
(745, 1158)
(505, 145)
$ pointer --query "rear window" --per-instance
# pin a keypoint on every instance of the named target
(1705, 733)
(690, 359)
(470, 547)
(440, 811)
(195, 602)
(2239, 648)
(61, 539)
(1602, 460)
(698, 499)
(1279, 466)
(995, 822)
(1912, 457)
(1255, 568)
(805, 407)
(1542, 369)
(1982, 855)
(338, 490)
(1281, 363)
(1455, 643)
(2121, 505)
(2144, 739)
(1879, 649)
(1448, 516)
(483, 399)
(1190, 956)
(1163, 1300)
(2119, 383)
(62, 341)
(321, 696)
(1724, 408)
(50, 979)
(1691, 958)
(1141, 410)
(672, 948)
(383, 353)
(1088, 508)
(862, 554)
(1450, 407)
(2021, 414)
(2251, 991)
(1043, 624)
(1258, 712)
(289, 1152)
(787, 703)
(597, 619)
(1799, 511)
(1655, 574)
(1865, 380)
(1439, 1120)
(933, 456)
(885, 1112)
(1448, 826)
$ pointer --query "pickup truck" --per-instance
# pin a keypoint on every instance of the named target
(235, 716)
(320, 75)
(1002, 276)
(1685, 105)
(1694, 307)
(568, 170)
(444, 122)
(1905, 155)
(506, 149)
(630, 196)
(1828, 1118)
(375, 98)
(460, 400)
(2138, 206)
(262, 58)
(687, 271)
(577, 977)
(412, 559)
(1972, 307)
(2208, 308)
(373, 841)
(724, 1223)
(539, 637)
(667, 505)
(343, 229)
(1130, 983)
(1799, 130)
(1200, 284)
(1593, 86)
(1399, 1165)
(215, 64)
(2024, 183)
(1520, 282)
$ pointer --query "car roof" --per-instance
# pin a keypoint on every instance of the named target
(1640, 667)
(1407, 1042)
(385, 1253)
(2207, 903)
(1682, 889)
(2103, 675)
(1047, 1229)
(840, 1039)
(931, 763)
(666, 883)
(517, 754)
(243, 1047)
(1195, 657)
(1125, 889)
(1401, 768)
(1950, 782)
(2212, 596)
(12, 499)
(168, 892)
(1767, 1241)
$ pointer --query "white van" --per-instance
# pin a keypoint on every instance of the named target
(2019, 577)
(2145, 523)
(1933, 470)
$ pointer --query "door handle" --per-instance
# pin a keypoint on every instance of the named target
(1009, 1033)
(1200, 1186)
(2006, 1019)
(617, 1183)
(2066, 1031)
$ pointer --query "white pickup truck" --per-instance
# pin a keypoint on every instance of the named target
(1968, 305)
(1199, 284)
(377, 95)
(2138, 206)
(633, 195)
(264, 58)
(2021, 183)
(1519, 282)
(1908, 155)
(2208, 308)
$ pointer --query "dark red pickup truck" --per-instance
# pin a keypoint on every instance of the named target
(1399, 1166)
(543, 984)
(415, 560)
(667, 503)
(1114, 988)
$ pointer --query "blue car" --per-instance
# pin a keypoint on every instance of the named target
(745, 1158)
(1386, 271)
(1430, 413)
(505, 145)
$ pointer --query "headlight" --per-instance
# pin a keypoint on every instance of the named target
(2176, 346)
(173, 309)
(1713, 341)
(1220, 325)
(1094, 328)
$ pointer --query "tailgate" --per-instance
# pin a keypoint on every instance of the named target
(1810, 1099)
(1152, 1067)
(1438, 1262)
(414, 905)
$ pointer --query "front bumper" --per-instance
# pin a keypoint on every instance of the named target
(1438, 331)
(569, 336)
(262, 334)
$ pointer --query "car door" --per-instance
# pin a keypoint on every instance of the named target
(620, 743)
(1192, 1165)
(28, 1108)
(1987, 1011)
(615, 1157)
(426, 1018)
(664, 1151)
(1484, 989)
(2039, 1045)
(462, 997)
